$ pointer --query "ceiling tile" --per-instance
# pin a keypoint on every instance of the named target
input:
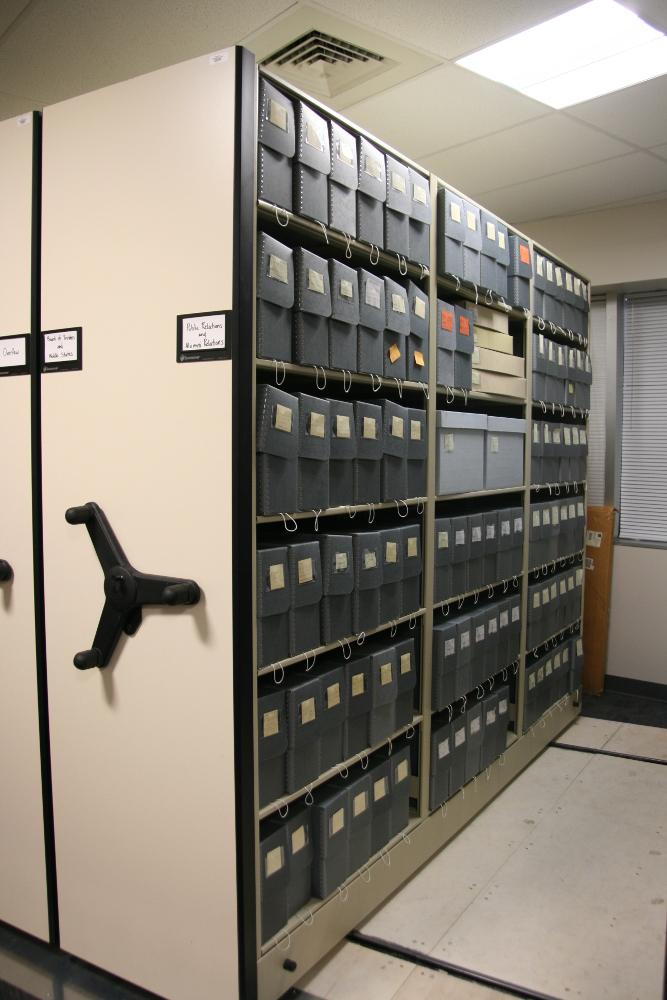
(450, 28)
(60, 49)
(532, 149)
(637, 114)
(9, 11)
(444, 107)
(589, 187)
(11, 106)
(660, 151)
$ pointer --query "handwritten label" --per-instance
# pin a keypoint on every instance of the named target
(13, 352)
(61, 346)
(202, 337)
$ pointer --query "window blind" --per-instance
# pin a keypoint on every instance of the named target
(643, 499)
(597, 425)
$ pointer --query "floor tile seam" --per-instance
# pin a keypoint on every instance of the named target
(521, 843)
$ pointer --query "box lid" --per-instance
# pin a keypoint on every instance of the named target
(456, 419)
(507, 425)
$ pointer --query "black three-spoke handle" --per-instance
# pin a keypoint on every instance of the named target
(126, 590)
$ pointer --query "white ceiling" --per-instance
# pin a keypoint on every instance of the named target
(519, 157)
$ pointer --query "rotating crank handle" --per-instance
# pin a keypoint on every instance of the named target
(88, 658)
(181, 593)
(79, 515)
(6, 571)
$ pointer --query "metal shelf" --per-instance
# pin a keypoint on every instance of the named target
(376, 382)
(320, 650)
(551, 564)
(562, 487)
(480, 493)
(478, 295)
(349, 509)
(561, 632)
(553, 330)
(479, 590)
(336, 769)
(485, 397)
(359, 251)
(470, 695)
(566, 407)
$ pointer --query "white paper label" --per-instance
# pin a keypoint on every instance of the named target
(474, 726)
(282, 419)
(479, 633)
(476, 534)
(579, 577)
(555, 515)
(536, 600)
(570, 583)
(397, 427)
(559, 277)
(359, 804)
(415, 430)
(505, 527)
(397, 303)
(501, 239)
(317, 425)
(63, 346)
(465, 640)
(580, 508)
(401, 772)
(412, 547)
(545, 596)
(270, 723)
(490, 532)
(562, 587)
(459, 737)
(313, 137)
(379, 789)
(495, 444)
(443, 539)
(373, 167)
(369, 430)
(550, 271)
(553, 592)
(299, 839)
(274, 861)
(531, 682)
(546, 517)
(277, 577)
(572, 511)
(340, 562)
(504, 619)
(390, 553)
(419, 194)
(460, 538)
(539, 264)
(277, 114)
(278, 269)
(491, 717)
(471, 220)
(337, 822)
(373, 294)
(455, 211)
(398, 182)
(450, 647)
(449, 442)
(420, 307)
(346, 289)
(536, 433)
(443, 749)
(333, 695)
(563, 512)
(346, 152)
(518, 525)
(577, 286)
(491, 231)
(502, 706)
(568, 281)
(12, 352)
(370, 559)
(406, 663)
(305, 570)
(492, 626)
(575, 436)
(580, 647)
(548, 668)
(315, 281)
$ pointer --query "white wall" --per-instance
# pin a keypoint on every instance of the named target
(617, 247)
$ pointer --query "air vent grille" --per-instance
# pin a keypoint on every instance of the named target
(316, 47)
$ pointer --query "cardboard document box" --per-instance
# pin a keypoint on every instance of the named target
(337, 586)
(277, 450)
(493, 340)
(273, 604)
(275, 298)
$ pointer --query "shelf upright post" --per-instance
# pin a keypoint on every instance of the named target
(428, 539)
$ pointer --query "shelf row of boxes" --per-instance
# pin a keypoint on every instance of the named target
(561, 374)
(315, 453)
(561, 297)
(475, 452)
(557, 529)
(553, 604)
(455, 345)
(473, 646)
(314, 720)
(559, 453)
(318, 169)
(317, 311)
(316, 848)
(495, 366)
(475, 246)
(552, 676)
(464, 746)
(315, 592)
(477, 550)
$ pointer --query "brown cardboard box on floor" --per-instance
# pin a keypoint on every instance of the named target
(599, 551)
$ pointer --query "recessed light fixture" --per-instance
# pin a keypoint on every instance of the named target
(591, 50)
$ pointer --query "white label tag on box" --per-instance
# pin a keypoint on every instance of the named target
(341, 562)
(568, 281)
(490, 532)
(501, 239)
(474, 726)
(397, 303)
(545, 596)
(479, 633)
(546, 517)
(492, 626)
(278, 114)
(419, 194)
(570, 583)
(333, 695)
(539, 264)
(346, 289)
(412, 547)
(397, 427)
(278, 269)
(406, 663)
(390, 552)
(536, 433)
(307, 712)
(386, 674)
(555, 515)
(540, 675)
(274, 861)
(313, 137)
(346, 152)
(443, 539)
(359, 804)
(518, 525)
(373, 296)
(553, 592)
(277, 577)
(505, 527)
(455, 211)
(315, 281)
(575, 436)
(373, 167)
(531, 682)
(491, 717)
(401, 772)
(476, 534)
(282, 418)
(305, 570)
(370, 559)
(579, 577)
(460, 538)
(459, 738)
(337, 822)
(299, 839)
(317, 425)
(471, 220)
(580, 508)
(415, 430)
(491, 231)
(450, 647)
(369, 430)
(465, 640)
(562, 587)
(379, 789)
(495, 444)
(548, 668)
(342, 426)
(420, 308)
(580, 647)
(550, 271)
(398, 182)
(559, 277)
(536, 599)
(270, 723)
(504, 619)
(358, 685)
(476, 377)
(502, 706)
(449, 442)
(443, 749)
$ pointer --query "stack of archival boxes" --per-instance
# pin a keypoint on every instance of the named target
(495, 368)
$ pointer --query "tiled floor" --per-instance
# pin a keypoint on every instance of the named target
(558, 887)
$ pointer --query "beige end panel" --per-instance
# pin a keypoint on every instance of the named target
(22, 866)
(138, 213)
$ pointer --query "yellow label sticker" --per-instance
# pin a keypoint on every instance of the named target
(337, 822)
(443, 539)
(308, 712)
(379, 789)
(359, 804)
(358, 685)
(333, 695)
(419, 359)
(386, 674)
(415, 430)
(342, 428)
(305, 570)
(274, 861)
(390, 552)
(394, 353)
(369, 429)
(299, 839)
(406, 663)
(282, 418)
(277, 577)
(397, 427)
(270, 723)
(317, 425)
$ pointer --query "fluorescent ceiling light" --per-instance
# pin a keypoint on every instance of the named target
(592, 50)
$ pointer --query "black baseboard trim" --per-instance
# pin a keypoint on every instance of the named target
(601, 752)
(441, 965)
(630, 685)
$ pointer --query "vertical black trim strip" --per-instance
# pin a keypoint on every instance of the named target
(242, 525)
(37, 528)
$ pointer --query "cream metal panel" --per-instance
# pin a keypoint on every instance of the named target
(23, 901)
(138, 227)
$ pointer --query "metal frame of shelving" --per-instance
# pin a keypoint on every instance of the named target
(309, 935)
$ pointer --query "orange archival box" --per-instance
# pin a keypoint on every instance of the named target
(599, 549)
